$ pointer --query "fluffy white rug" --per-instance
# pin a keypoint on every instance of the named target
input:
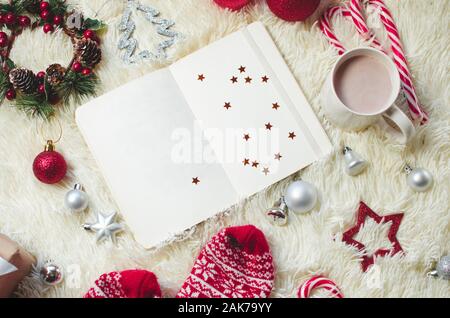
(33, 213)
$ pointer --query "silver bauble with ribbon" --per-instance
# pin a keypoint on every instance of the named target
(76, 200)
(51, 274)
(301, 196)
(442, 269)
(418, 179)
(354, 163)
(277, 215)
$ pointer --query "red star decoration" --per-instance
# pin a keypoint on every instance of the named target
(201, 77)
(242, 69)
(234, 79)
(246, 162)
(264, 79)
(278, 156)
(248, 79)
(292, 135)
(275, 106)
(246, 137)
(195, 180)
(269, 126)
(227, 105)
(255, 164)
(363, 212)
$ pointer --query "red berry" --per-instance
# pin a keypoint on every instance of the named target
(45, 15)
(77, 67)
(41, 89)
(3, 42)
(44, 5)
(89, 34)
(10, 94)
(3, 35)
(24, 21)
(2, 18)
(86, 71)
(10, 18)
(40, 74)
(48, 28)
(57, 19)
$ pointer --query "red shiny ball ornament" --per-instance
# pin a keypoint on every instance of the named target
(3, 42)
(86, 71)
(40, 74)
(49, 166)
(45, 15)
(44, 5)
(10, 18)
(89, 34)
(10, 94)
(24, 21)
(41, 89)
(57, 19)
(293, 10)
(77, 67)
(48, 28)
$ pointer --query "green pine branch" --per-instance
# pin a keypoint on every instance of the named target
(4, 85)
(35, 105)
(76, 86)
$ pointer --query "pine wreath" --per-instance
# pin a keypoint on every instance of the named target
(40, 94)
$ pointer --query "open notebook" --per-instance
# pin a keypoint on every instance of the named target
(180, 144)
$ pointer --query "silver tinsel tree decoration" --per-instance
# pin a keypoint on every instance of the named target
(130, 44)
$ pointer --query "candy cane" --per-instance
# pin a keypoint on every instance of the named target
(316, 282)
(353, 10)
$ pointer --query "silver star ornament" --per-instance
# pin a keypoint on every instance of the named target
(105, 227)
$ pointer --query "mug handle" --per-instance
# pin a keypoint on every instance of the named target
(399, 125)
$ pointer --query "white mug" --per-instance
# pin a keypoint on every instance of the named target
(396, 121)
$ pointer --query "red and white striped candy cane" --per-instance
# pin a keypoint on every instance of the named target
(353, 10)
(319, 282)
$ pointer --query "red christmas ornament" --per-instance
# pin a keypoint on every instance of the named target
(40, 75)
(77, 67)
(10, 94)
(363, 213)
(24, 21)
(86, 71)
(293, 10)
(48, 28)
(10, 18)
(44, 5)
(233, 5)
(89, 34)
(41, 89)
(49, 166)
(3, 42)
(45, 15)
(57, 19)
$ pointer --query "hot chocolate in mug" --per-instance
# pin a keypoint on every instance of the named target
(362, 88)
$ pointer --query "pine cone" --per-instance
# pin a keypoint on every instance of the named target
(88, 52)
(55, 74)
(23, 80)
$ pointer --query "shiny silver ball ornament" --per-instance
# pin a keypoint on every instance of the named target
(354, 164)
(418, 179)
(442, 269)
(51, 274)
(277, 214)
(301, 196)
(76, 200)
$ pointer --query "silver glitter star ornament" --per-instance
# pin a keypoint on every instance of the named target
(129, 44)
(105, 227)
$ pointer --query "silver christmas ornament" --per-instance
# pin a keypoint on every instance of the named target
(354, 164)
(418, 179)
(76, 200)
(278, 213)
(105, 227)
(51, 274)
(442, 269)
(300, 196)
